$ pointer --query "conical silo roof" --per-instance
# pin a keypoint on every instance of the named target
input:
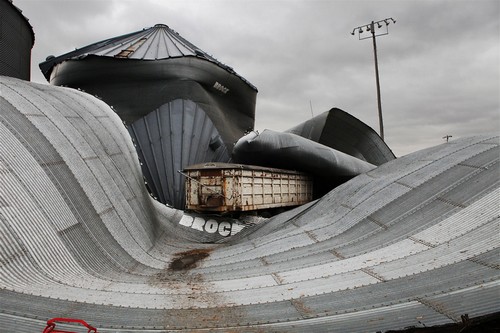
(155, 43)
(158, 42)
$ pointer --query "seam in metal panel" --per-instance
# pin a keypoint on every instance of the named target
(438, 307)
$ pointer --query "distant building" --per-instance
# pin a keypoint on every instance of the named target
(16, 40)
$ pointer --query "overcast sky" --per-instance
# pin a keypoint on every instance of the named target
(439, 65)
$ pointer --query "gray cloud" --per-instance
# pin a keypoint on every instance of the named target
(439, 65)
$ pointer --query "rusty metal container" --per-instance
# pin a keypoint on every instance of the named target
(223, 187)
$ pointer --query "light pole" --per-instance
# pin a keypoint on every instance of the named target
(370, 27)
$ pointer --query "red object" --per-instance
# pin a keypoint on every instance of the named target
(51, 325)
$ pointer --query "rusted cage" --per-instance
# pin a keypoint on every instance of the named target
(223, 187)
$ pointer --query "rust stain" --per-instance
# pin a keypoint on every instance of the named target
(175, 275)
(304, 310)
(202, 306)
(131, 49)
(188, 259)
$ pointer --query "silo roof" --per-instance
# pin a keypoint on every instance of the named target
(154, 43)
(158, 42)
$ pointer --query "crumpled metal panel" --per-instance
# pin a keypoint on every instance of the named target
(328, 166)
(290, 151)
(399, 246)
(341, 131)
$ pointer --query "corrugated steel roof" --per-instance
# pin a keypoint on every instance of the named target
(157, 42)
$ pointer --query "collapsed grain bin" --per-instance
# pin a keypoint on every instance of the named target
(181, 106)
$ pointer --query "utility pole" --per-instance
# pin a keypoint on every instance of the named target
(370, 27)
(447, 137)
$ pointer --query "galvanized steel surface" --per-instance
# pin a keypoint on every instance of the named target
(16, 40)
(169, 139)
(413, 242)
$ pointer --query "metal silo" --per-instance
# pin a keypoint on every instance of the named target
(181, 106)
(16, 40)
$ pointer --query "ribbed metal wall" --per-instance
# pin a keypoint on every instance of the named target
(176, 135)
(413, 242)
(16, 41)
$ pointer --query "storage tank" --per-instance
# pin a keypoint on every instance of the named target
(16, 40)
(180, 105)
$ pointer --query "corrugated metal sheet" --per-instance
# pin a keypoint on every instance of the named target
(81, 237)
(157, 42)
(16, 40)
(169, 139)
